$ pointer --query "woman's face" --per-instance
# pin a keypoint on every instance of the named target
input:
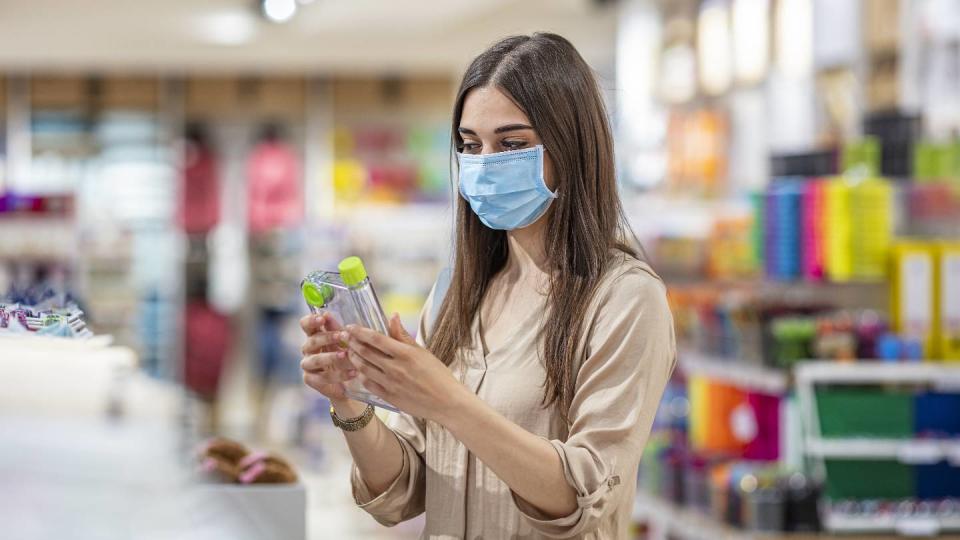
(491, 122)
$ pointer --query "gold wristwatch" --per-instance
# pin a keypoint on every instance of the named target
(352, 424)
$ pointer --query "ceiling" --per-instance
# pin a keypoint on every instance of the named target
(325, 36)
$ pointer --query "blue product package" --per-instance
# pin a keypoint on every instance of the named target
(937, 414)
(937, 481)
(783, 227)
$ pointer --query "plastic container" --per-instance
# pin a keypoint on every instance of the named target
(349, 296)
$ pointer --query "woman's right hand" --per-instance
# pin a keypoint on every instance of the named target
(325, 365)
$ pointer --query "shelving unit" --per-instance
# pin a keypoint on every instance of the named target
(913, 526)
(668, 520)
(38, 238)
(730, 371)
(909, 451)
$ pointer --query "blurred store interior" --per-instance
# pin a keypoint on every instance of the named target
(170, 171)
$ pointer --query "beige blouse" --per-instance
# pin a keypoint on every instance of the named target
(630, 353)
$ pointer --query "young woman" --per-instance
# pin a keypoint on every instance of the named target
(528, 397)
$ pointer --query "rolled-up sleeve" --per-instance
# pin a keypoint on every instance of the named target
(630, 356)
(404, 498)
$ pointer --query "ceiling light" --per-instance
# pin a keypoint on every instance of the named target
(225, 28)
(794, 34)
(714, 48)
(279, 11)
(751, 46)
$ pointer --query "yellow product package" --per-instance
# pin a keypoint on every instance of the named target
(948, 300)
(912, 298)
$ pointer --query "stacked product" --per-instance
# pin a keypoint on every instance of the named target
(22, 319)
(838, 228)
(723, 460)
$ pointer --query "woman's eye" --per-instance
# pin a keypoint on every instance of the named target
(469, 148)
(513, 145)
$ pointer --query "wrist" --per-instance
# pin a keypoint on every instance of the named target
(455, 407)
(348, 408)
(352, 424)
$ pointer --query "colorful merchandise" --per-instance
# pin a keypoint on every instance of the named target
(839, 266)
(871, 228)
(812, 230)
(275, 195)
(948, 301)
(782, 226)
(207, 339)
(912, 292)
(199, 210)
(226, 461)
(66, 322)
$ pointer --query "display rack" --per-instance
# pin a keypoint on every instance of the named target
(733, 372)
(913, 451)
(38, 239)
(873, 524)
(667, 519)
(910, 451)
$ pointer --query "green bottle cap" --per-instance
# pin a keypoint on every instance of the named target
(352, 271)
(314, 295)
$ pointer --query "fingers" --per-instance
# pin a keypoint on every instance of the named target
(398, 332)
(317, 322)
(313, 323)
(386, 344)
(323, 342)
(331, 322)
(368, 354)
(333, 367)
(368, 373)
(374, 387)
(319, 383)
(315, 381)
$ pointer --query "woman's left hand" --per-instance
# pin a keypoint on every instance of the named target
(399, 370)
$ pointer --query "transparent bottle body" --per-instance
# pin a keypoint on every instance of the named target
(351, 305)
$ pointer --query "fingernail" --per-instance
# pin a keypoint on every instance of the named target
(318, 317)
(352, 373)
(341, 355)
(345, 335)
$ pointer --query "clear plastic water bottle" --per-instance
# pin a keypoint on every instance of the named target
(349, 296)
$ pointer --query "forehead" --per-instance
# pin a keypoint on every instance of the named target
(488, 108)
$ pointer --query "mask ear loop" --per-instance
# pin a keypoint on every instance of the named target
(542, 177)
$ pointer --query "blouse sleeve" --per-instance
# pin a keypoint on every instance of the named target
(631, 354)
(404, 498)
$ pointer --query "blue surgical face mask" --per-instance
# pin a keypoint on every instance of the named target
(506, 189)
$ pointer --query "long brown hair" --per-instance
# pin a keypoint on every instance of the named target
(549, 80)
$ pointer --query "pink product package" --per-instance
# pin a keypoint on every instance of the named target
(812, 231)
(766, 445)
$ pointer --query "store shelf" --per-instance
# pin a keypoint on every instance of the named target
(669, 520)
(681, 522)
(37, 239)
(672, 521)
(904, 526)
(734, 372)
(910, 451)
(875, 371)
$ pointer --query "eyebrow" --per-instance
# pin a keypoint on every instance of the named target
(501, 129)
